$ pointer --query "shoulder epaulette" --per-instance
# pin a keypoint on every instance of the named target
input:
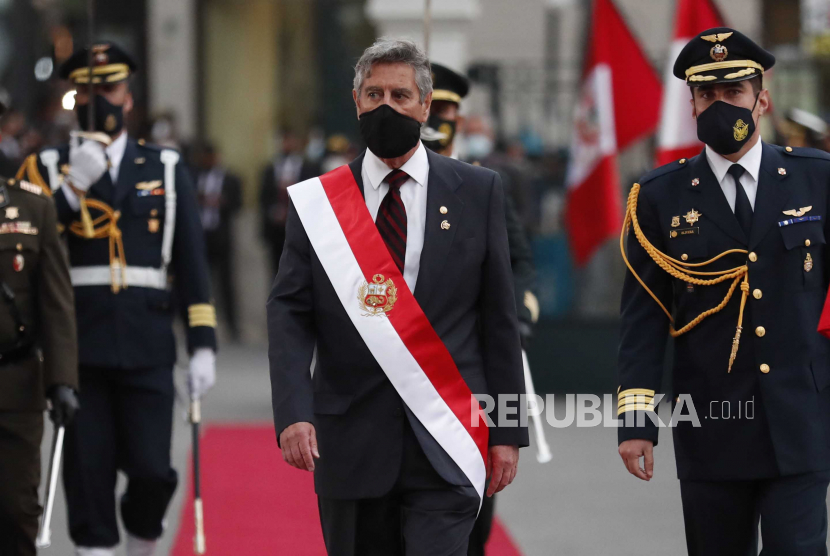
(24, 185)
(805, 152)
(663, 170)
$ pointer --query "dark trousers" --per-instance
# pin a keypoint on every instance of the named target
(482, 528)
(722, 517)
(423, 515)
(125, 423)
(20, 435)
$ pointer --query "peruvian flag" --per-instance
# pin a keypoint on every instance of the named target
(619, 103)
(678, 132)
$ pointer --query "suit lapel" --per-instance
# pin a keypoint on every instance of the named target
(356, 166)
(126, 174)
(771, 197)
(442, 184)
(713, 204)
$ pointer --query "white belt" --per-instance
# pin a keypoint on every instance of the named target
(137, 276)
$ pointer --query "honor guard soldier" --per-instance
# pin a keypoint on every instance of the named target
(449, 88)
(38, 353)
(727, 254)
(133, 232)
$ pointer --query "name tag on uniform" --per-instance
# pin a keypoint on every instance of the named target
(792, 221)
(685, 232)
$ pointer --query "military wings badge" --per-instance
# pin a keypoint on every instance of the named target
(798, 213)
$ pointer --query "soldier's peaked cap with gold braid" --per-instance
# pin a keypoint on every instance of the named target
(721, 55)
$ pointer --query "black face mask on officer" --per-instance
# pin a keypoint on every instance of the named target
(109, 117)
(725, 127)
(443, 126)
(388, 133)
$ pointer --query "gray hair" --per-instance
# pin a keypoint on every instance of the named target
(395, 51)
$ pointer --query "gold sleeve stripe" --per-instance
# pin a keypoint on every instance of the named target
(28, 170)
(635, 399)
(201, 314)
(635, 407)
(644, 391)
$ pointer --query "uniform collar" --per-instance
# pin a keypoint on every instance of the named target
(751, 162)
(417, 167)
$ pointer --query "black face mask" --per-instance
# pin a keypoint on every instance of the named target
(109, 118)
(725, 127)
(388, 133)
(440, 125)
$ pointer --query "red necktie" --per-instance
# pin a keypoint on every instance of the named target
(391, 219)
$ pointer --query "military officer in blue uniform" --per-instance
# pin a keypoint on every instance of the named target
(133, 231)
(727, 253)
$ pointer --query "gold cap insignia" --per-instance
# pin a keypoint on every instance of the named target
(719, 53)
(377, 298)
(740, 131)
(692, 216)
(110, 123)
(720, 37)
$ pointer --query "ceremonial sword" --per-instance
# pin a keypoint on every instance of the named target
(198, 511)
(44, 538)
(543, 454)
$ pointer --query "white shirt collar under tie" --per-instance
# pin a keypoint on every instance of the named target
(417, 167)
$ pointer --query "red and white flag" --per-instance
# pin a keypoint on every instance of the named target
(678, 132)
(619, 104)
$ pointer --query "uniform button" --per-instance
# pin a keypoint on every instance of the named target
(753, 257)
(684, 256)
(806, 243)
(760, 331)
(116, 215)
(789, 149)
(682, 161)
(765, 368)
(20, 247)
(757, 294)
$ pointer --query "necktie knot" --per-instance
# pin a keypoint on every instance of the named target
(736, 171)
(396, 178)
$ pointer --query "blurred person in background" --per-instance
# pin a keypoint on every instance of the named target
(38, 353)
(220, 198)
(339, 151)
(146, 234)
(804, 129)
(753, 442)
(449, 89)
(12, 127)
(290, 166)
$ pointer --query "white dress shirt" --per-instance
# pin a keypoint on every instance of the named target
(414, 197)
(751, 162)
(115, 154)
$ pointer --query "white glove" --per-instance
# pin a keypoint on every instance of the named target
(87, 163)
(202, 375)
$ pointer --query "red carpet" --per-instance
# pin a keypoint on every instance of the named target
(257, 505)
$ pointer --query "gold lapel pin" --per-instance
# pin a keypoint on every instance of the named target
(443, 210)
(445, 225)
(782, 171)
(675, 221)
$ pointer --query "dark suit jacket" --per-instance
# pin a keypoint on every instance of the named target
(220, 239)
(789, 431)
(465, 288)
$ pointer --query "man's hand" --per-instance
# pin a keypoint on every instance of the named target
(299, 446)
(64, 404)
(87, 163)
(202, 375)
(502, 466)
(631, 451)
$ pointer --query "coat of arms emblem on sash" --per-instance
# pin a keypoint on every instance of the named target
(377, 298)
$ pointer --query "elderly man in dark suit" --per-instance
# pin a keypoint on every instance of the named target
(389, 478)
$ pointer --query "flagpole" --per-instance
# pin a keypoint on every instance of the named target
(427, 24)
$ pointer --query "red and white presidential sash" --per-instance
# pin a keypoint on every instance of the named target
(389, 319)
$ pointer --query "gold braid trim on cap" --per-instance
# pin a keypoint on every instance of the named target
(682, 271)
(724, 65)
(106, 226)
